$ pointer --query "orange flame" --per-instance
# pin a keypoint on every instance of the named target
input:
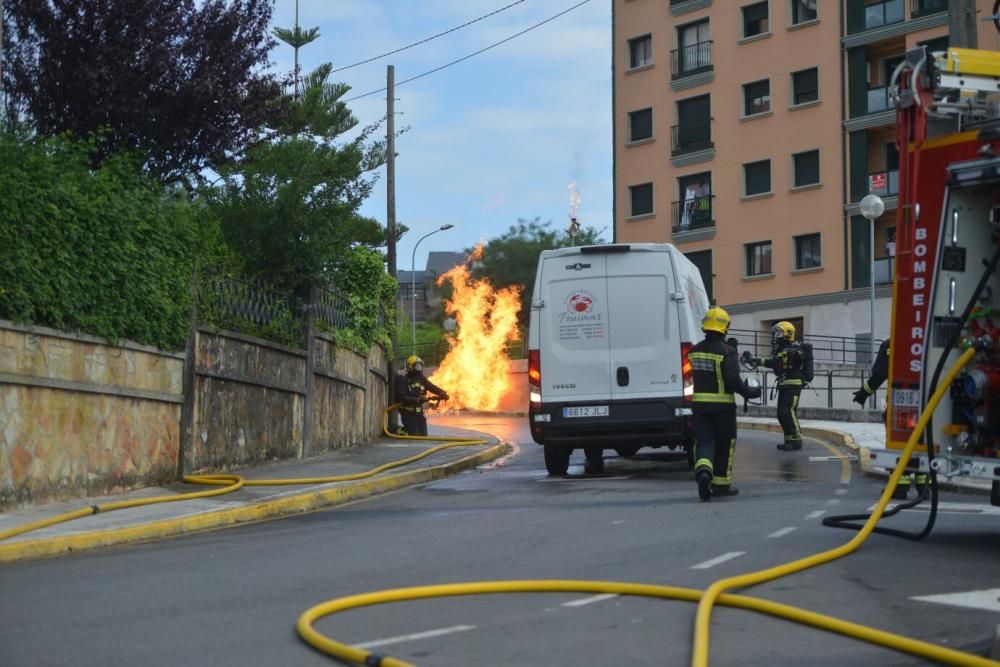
(475, 370)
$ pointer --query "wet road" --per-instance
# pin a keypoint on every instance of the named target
(232, 597)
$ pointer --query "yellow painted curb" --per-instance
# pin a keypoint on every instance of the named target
(303, 502)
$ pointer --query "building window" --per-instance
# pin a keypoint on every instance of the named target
(694, 208)
(693, 131)
(753, 19)
(640, 125)
(807, 252)
(640, 51)
(756, 178)
(805, 167)
(756, 97)
(802, 11)
(936, 44)
(805, 86)
(694, 49)
(640, 199)
(758, 256)
(703, 260)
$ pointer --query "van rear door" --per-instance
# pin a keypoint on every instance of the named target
(574, 323)
(644, 350)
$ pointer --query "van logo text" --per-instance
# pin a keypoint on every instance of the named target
(564, 386)
(577, 267)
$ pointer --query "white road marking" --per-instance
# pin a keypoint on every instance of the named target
(840, 492)
(843, 457)
(815, 515)
(948, 508)
(618, 522)
(833, 501)
(988, 599)
(399, 445)
(593, 598)
(416, 635)
(584, 478)
(781, 532)
(718, 560)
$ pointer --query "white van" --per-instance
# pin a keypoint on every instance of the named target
(608, 337)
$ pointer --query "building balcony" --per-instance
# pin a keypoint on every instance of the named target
(690, 138)
(920, 8)
(878, 100)
(884, 268)
(883, 183)
(691, 60)
(691, 214)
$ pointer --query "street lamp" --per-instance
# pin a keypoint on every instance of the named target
(872, 207)
(413, 282)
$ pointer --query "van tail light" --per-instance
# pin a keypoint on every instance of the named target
(534, 378)
(687, 372)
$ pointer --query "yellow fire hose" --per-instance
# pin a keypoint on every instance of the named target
(232, 483)
(705, 599)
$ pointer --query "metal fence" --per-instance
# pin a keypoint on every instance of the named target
(254, 308)
(826, 349)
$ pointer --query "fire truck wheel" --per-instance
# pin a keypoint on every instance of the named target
(995, 493)
(557, 459)
(626, 452)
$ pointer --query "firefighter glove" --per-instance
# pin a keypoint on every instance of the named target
(860, 396)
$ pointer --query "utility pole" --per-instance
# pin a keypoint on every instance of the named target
(390, 222)
(962, 24)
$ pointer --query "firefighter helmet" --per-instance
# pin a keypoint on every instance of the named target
(784, 330)
(412, 361)
(715, 319)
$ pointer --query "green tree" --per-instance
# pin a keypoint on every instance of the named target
(290, 206)
(511, 259)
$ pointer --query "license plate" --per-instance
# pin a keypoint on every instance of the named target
(586, 411)
(905, 398)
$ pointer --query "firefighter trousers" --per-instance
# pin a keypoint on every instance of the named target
(715, 441)
(788, 413)
(414, 421)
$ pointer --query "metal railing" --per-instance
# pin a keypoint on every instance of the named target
(251, 307)
(883, 270)
(692, 214)
(690, 138)
(884, 13)
(692, 59)
(826, 349)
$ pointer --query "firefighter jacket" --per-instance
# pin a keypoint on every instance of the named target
(412, 389)
(786, 363)
(716, 370)
(880, 369)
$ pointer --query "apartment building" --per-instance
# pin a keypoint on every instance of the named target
(746, 133)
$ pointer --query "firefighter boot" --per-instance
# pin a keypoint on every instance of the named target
(704, 479)
(790, 446)
(594, 464)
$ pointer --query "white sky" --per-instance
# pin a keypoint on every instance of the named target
(491, 139)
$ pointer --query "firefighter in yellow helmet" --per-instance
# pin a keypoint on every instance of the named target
(787, 360)
(716, 371)
(412, 390)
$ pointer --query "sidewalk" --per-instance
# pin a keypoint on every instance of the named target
(861, 437)
(250, 503)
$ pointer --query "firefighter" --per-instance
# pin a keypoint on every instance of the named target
(876, 376)
(411, 390)
(716, 371)
(786, 361)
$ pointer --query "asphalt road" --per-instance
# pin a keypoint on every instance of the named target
(232, 597)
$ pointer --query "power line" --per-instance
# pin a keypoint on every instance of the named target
(424, 41)
(454, 62)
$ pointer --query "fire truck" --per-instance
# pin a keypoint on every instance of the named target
(946, 287)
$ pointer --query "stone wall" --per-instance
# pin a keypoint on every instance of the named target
(79, 417)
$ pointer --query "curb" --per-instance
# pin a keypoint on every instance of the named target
(304, 502)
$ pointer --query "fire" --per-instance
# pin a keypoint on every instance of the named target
(475, 370)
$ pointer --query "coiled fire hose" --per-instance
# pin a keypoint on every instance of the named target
(706, 599)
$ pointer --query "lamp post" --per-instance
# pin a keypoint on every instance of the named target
(872, 207)
(413, 282)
